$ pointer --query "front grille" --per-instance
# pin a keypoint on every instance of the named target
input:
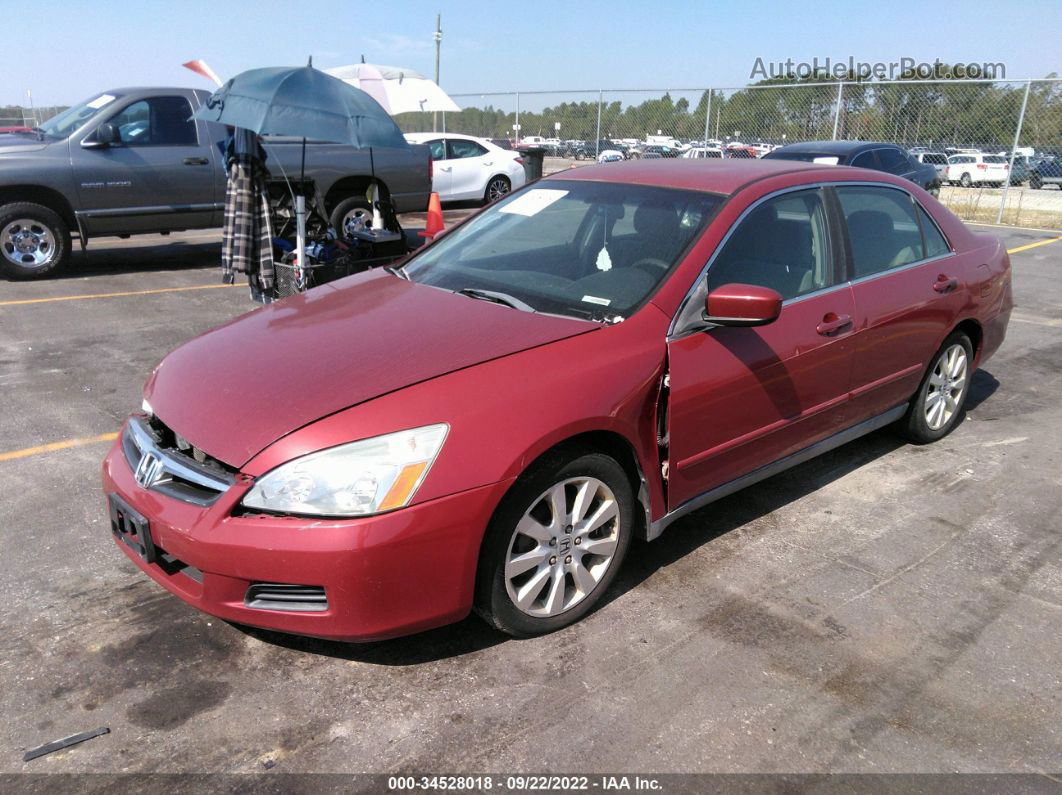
(163, 461)
(282, 596)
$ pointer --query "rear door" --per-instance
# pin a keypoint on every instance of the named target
(908, 288)
(744, 397)
(442, 170)
(160, 176)
(471, 163)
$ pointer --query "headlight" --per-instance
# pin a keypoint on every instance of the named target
(356, 479)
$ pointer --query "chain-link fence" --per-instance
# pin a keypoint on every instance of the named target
(18, 116)
(1019, 121)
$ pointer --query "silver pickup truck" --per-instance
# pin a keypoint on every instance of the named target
(131, 161)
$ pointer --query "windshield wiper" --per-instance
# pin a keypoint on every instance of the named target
(496, 297)
(397, 270)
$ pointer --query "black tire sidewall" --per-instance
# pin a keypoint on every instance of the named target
(344, 207)
(492, 598)
(913, 426)
(51, 219)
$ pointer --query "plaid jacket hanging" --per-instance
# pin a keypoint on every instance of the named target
(247, 243)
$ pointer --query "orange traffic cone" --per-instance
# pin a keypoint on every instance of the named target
(435, 218)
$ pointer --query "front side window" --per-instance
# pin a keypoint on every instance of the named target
(437, 149)
(459, 148)
(782, 244)
(587, 249)
(882, 229)
(158, 121)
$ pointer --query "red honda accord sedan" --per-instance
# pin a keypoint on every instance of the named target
(582, 362)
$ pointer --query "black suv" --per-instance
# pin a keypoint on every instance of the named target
(1047, 172)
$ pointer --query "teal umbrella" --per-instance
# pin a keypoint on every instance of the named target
(302, 102)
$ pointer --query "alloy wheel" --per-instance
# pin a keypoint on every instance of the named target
(562, 547)
(28, 243)
(357, 218)
(947, 385)
(497, 188)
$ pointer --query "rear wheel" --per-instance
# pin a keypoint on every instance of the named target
(965, 180)
(496, 188)
(937, 406)
(34, 241)
(351, 214)
(1035, 182)
(555, 544)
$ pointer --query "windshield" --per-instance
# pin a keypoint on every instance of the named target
(587, 249)
(73, 117)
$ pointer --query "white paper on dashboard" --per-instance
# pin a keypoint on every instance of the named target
(826, 160)
(100, 101)
(533, 202)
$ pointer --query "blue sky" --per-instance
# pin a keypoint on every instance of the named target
(84, 47)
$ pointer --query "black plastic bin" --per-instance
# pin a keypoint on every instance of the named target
(532, 156)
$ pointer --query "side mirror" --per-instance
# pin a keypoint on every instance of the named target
(105, 135)
(742, 305)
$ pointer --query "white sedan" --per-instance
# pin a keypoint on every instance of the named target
(466, 167)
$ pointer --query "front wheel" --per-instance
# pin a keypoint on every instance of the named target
(496, 188)
(1035, 182)
(555, 545)
(34, 241)
(965, 180)
(937, 406)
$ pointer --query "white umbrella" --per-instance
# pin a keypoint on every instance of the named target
(397, 89)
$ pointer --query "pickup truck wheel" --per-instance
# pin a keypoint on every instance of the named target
(1035, 182)
(350, 214)
(34, 241)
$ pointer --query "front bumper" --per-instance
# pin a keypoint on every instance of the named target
(383, 576)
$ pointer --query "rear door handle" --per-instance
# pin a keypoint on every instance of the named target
(945, 284)
(832, 323)
(196, 161)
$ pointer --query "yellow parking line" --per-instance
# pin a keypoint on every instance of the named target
(115, 295)
(47, 448)
(1033, 245)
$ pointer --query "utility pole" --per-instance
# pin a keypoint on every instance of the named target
(438, 45)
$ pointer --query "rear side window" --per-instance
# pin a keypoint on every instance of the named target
(936, 245)
(882, 229)
(459, 147)
(893, 161)
(864, 160)
(782, 244)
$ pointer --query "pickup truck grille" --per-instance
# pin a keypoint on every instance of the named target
(163, 461)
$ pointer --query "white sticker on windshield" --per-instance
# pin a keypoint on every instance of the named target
(826, 160)
(593, 299)
(100, 101)
(533, 201)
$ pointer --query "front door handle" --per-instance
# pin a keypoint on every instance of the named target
(832, 323)
(945, 283)
(446, 168)
(196, 161)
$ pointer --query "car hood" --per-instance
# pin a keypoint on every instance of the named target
(20, 142)
(238, 388)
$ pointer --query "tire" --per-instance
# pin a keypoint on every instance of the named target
(922, 423)
(558, 578)
(965, 181)
(497, 187)
(934, 191)
(347, 210)
(34, 241)
(1035, 182)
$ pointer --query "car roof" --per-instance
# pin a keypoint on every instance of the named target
(833, 147)
(427, 136)
(711, 175)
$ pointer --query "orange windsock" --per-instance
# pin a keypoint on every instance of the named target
(200, 67)
(435, 217)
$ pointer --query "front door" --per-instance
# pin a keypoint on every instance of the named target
(744, 397)
(160, 176)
